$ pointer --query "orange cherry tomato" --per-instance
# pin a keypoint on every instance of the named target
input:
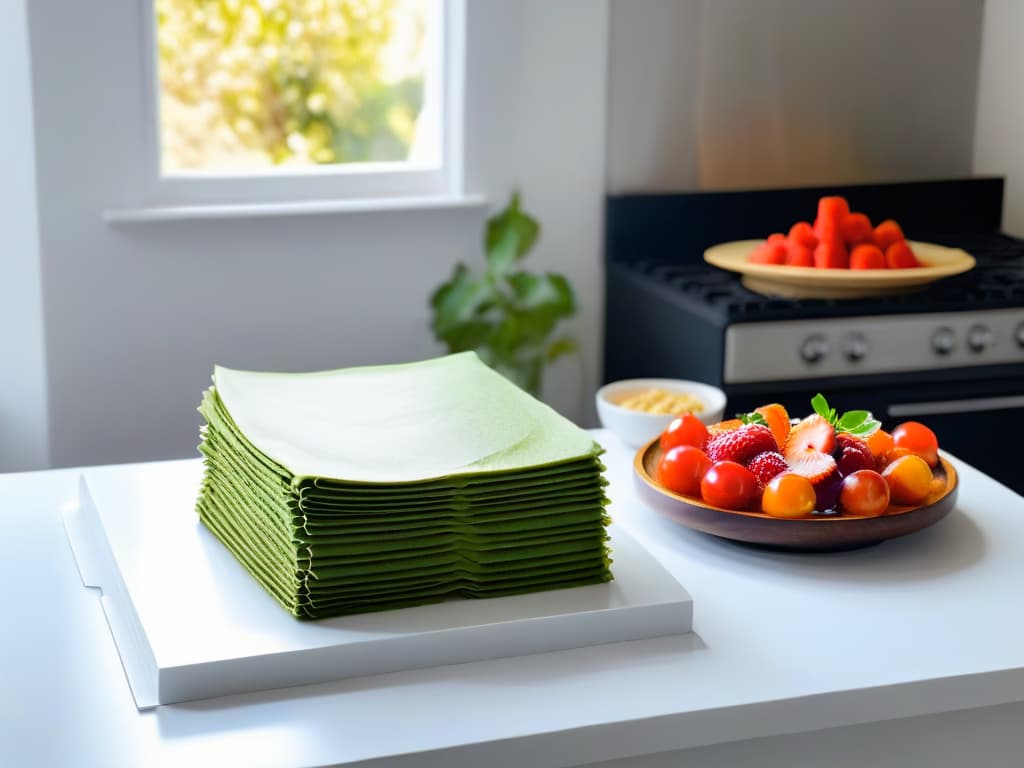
(909, 479)
(788, 495)
(729, 485)
(918, 439)
(682, 469)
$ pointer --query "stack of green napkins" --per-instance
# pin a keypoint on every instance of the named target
(373, 488)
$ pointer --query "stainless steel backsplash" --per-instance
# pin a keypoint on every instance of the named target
(726, 94)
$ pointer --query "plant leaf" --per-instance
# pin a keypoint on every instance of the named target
(510, 234)
(866, 429)
(752, 418)
(459, 301)
(820, 406)
(563, 345)
(851, 419)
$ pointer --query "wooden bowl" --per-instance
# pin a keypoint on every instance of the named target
(813, 534)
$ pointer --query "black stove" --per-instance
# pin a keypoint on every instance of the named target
(950, 354)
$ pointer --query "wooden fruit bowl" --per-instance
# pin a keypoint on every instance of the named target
(814, 534)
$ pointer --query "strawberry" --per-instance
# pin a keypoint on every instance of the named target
(867, 256)
(767, 465)
(816, 466)
(741, 445)
(856, 229)
(809, 447)
(813, 433)
(899, 256)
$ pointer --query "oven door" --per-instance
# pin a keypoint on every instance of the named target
(981, 423)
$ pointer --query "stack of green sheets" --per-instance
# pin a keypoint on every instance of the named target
(367, 489)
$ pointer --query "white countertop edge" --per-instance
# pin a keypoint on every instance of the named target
(618, 740)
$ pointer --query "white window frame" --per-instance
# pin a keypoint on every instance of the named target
(356, 182)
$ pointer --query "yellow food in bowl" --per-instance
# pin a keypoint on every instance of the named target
(660, 401)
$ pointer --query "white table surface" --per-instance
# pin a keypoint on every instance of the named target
(783, 644)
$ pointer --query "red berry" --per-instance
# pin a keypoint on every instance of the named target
(899, 256)
(802, 233)
(856, 229)
(766, 466)
(814, 432)
(887, 233)
(800, 256)
(852, 454)
(867, 256)
(741, 445)
(814, 465)
(831, 254)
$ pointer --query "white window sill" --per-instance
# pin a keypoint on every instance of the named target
(305, 208)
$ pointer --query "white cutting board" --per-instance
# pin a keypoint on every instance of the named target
(190, 623)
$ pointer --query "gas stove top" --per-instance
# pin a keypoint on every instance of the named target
(996, 282)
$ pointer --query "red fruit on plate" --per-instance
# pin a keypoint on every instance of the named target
(918, 439)
(827, 491)
(809, 448)
(766, 466)
(856, 229)
(802, 233)
(682, 468)
(867, 256)
(729, 425)
(684, 430)
(853, 454)
(887, 233)
(813, 433)
(729, 485)
(814, 465)
(832, 212)
(799, 256)
(831, 254)
(899, 256)
(768, 253)
(864, 493)
(741, 445)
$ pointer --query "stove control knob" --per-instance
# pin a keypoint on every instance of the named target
(814, 348)
(943, 341)
(980, 338)
(855, 347)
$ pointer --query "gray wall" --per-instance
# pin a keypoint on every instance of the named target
(999, 136)
(725, 94)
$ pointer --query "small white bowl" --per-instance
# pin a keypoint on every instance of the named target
(635, 428)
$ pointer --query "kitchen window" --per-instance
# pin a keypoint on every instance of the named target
(263, 102)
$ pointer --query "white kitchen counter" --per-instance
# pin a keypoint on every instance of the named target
(784, 644)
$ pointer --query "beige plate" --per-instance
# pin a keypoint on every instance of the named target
(812, 283)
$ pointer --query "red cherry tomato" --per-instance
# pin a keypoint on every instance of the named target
(682, 468)
(685, 430)
(865, 493)
(917, 439)
(729, 485)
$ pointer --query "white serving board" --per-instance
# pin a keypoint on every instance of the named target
(190, 623)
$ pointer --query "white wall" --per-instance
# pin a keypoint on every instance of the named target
(137, 315)
(23, 426)
(733, 93)
(999, 134)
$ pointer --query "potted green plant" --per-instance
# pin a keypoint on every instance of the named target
(509, 316)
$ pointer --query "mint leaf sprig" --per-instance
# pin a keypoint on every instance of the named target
(857, 423)
(752, 418)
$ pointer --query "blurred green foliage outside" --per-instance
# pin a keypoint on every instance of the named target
(256, 83)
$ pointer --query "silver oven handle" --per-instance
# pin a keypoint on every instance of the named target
(900, 410)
